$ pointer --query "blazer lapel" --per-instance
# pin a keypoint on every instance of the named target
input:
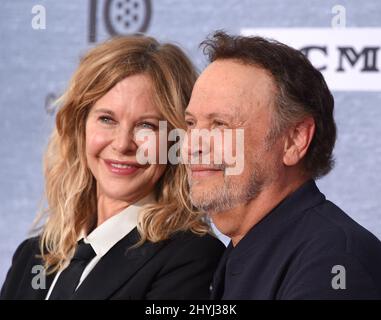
(116, 267)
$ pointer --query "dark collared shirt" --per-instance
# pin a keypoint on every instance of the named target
(305, 248)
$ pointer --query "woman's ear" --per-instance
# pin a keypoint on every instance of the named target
(297, 141)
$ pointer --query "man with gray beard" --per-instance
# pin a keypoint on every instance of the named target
(287, 240)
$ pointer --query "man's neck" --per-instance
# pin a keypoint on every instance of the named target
(237, 222)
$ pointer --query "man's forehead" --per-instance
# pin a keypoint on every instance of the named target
(231, 87)
(234, 72)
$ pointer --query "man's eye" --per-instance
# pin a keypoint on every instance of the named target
(189, 123)
(106, 120)
(218, 123)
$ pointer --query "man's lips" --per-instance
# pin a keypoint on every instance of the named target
(205, 171)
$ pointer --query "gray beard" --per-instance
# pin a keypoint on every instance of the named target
(230, 196)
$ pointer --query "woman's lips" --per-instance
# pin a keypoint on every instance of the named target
(123, 168)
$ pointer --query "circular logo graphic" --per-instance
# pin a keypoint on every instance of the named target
(127, 16)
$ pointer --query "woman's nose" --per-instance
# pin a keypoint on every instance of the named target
(123, 141)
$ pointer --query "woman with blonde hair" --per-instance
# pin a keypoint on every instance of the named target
(116, 228)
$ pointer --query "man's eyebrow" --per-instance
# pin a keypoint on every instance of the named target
(187, 113)
(220, 115)
(213, 115)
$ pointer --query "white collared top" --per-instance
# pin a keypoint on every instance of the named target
(105, 236)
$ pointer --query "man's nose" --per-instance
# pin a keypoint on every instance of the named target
(198, 142)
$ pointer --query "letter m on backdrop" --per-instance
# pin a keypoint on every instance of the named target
(369, 55)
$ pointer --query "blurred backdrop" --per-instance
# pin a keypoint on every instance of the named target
(41, 42)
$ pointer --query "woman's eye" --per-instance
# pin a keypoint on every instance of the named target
(106, 120)
(147, 125)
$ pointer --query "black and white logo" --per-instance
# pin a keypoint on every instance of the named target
(118, 17)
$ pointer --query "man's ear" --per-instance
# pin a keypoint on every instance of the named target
(297, 141)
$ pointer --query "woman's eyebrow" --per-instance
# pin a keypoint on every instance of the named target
(141, 117)
(150, 116)
(104, 110)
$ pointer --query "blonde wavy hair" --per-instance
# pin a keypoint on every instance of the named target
(70, 187)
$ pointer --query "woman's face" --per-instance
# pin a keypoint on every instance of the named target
(111, 143)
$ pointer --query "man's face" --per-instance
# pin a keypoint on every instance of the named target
(231, 95)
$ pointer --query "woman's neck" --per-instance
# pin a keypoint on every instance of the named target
(108, 207)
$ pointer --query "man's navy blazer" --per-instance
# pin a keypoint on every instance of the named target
(305, 248)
